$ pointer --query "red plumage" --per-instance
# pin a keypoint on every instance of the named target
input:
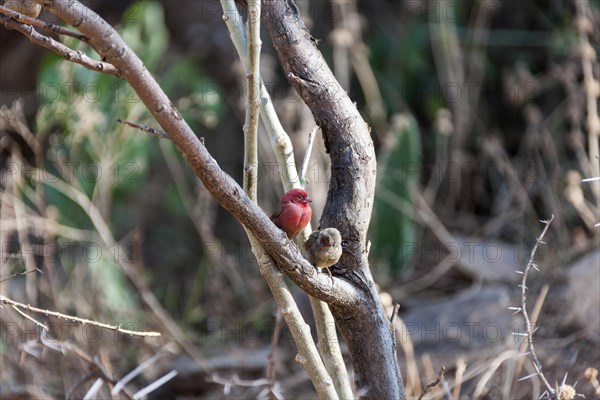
(293, 212)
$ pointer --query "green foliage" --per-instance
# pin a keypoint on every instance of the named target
(93, 154)
(201, 104)
(399, 173)
(145, 32)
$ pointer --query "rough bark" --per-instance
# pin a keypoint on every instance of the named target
(352, 298)
(365, 327)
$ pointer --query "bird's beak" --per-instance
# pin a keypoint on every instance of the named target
(308, 200)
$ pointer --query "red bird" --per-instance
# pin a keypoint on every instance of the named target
(293, 212)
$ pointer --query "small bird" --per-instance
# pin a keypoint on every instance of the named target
(26, 7)
(324, 248)
(293, 212)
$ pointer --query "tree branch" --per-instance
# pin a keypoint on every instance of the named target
(16, 305)
(107, 42)
(280, 141)
(58, 48)
(41, 24)
(353, 297)
(252, 110)
(350, 198)
(327, 340)
(308, 355)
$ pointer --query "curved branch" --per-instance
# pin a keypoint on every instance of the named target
(109, 44)
(350, 199)
(352, 297)
(347, 136)
(327, 339)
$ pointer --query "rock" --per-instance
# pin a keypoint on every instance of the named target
(583, 295)
(490, 261)
(477, 318)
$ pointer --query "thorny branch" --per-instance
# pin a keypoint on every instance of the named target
(529, 328)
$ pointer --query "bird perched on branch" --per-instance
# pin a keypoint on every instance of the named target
(26, 7)
(324, 248)
(293, 212)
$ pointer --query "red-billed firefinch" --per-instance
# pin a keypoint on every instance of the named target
(324, 248)
(293, 212)
(25, 7)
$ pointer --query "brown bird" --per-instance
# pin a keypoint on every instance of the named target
(293, 212)
(324, 248)
(26, 7)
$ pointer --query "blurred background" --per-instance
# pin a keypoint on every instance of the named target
(484, 116)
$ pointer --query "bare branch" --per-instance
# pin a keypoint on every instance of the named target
(142, 393)
(68, 54)
(42, 24)
(326, 334)
(144, 128)
(528, 324)
(280, 141)
(97, 369)
(11, 276)
(350, 199)
(273, 351)
(354, 298)
(131, 375)
(38, 323)
(434, 383)
(223, 187)
(82, 321)
(309, 146)
(252, 108)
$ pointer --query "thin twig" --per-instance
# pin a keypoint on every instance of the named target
(273, 351)
(537, 308)
(461, 366)
(82, 321)
(71, 393)
(144, 128)
(38, 323)
(142, 393)
(253, 106)
(590, 87)
(91, 393)
(434, 383)
(528, 325)
(24, 238)
(394, 314)
(393, 323)
(490, 369)
(97, 369)
(236, 381)
(11, 276)
(413, 378)
(61, 30)
(59, 48)
(309, 146)
(280, 140)
(135, 372)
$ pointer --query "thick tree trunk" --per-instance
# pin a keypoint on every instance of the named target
(364, 326)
